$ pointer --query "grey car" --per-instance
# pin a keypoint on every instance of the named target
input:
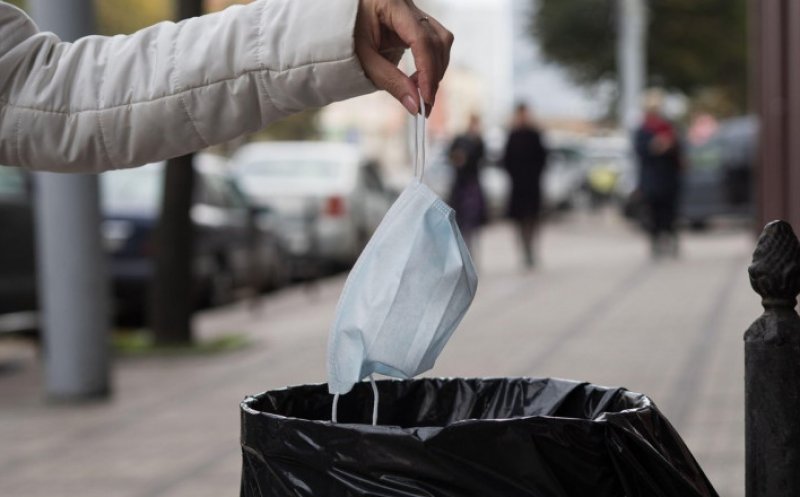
(329, 197)
(719, 179)
(234, 247)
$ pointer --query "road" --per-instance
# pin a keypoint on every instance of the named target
(595, 308)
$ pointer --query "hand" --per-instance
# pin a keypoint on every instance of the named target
(661, 143)
(384, 29)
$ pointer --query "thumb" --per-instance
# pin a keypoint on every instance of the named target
(387, 76)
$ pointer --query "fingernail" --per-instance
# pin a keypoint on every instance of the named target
(409, 104)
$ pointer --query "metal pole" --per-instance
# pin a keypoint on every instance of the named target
(631, 60)
(73, 285)
(772, 368)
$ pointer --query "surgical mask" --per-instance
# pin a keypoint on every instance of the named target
(407, 292)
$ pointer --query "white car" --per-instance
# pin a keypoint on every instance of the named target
(329, 198)
(563, 177)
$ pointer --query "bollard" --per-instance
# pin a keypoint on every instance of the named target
(772, 368)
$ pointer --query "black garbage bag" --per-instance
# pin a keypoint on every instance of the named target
(513, 437)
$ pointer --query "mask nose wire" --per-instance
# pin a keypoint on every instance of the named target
(419, 143)
(335, 407)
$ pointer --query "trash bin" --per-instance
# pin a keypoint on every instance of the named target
(464, 437)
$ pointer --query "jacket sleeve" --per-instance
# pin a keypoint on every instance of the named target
(110, 102)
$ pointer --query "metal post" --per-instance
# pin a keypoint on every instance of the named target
(631, 60)
(772, 368)
(73, 286)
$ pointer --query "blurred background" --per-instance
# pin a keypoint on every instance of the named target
(603, 159)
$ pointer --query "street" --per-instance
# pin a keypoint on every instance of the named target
(595, 308)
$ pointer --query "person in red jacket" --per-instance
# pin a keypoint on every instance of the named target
(658, 151)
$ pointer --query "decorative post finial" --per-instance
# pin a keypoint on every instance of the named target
(772, 368)
(775, 270)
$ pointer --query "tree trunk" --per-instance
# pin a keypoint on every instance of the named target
(173, 293)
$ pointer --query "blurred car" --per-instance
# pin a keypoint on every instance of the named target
(564, 177)
(719, 178)
(329, 198)
(497, 187)
(18, 260)
(269, 255)
(227, 250)
(608, 160)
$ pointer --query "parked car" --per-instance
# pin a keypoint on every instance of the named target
(719, 178)
(564, 177)
(330, 199)
(18, 259)
(227, 251)
(608, 160)
(235, 244)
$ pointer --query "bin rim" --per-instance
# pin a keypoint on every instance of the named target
(646, 405)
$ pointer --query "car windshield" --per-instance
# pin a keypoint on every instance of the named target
(132, 189)
(293, 169)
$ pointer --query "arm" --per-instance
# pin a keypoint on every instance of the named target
(106, 102)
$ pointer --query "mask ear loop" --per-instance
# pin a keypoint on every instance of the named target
(419, 141)
(374, 401)
(335, 407)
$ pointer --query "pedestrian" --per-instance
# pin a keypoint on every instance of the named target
(466, 196)
(108, 102)
(525, 159)
(658, 152)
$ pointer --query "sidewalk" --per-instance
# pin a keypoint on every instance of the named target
(595, 309)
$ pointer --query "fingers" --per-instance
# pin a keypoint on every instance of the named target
(393, 55)
(386, 76)
(428, 105)
(447, 38)
(429, 42)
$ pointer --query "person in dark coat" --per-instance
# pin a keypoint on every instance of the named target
(466, 196)
(658, 152)
(525, 159)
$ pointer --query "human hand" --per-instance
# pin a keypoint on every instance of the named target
(661, 143)
(384, 29)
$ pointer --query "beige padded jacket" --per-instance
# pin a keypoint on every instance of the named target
(110, 102)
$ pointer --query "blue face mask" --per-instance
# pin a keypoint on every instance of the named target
(407, 292)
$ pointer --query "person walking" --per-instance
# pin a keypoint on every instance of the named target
(102, 103)
(658, 151)
(466, 196)
(525, 160)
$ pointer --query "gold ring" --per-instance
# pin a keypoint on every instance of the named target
(424, 19)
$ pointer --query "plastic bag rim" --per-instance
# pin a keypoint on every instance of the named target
(602, 419)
